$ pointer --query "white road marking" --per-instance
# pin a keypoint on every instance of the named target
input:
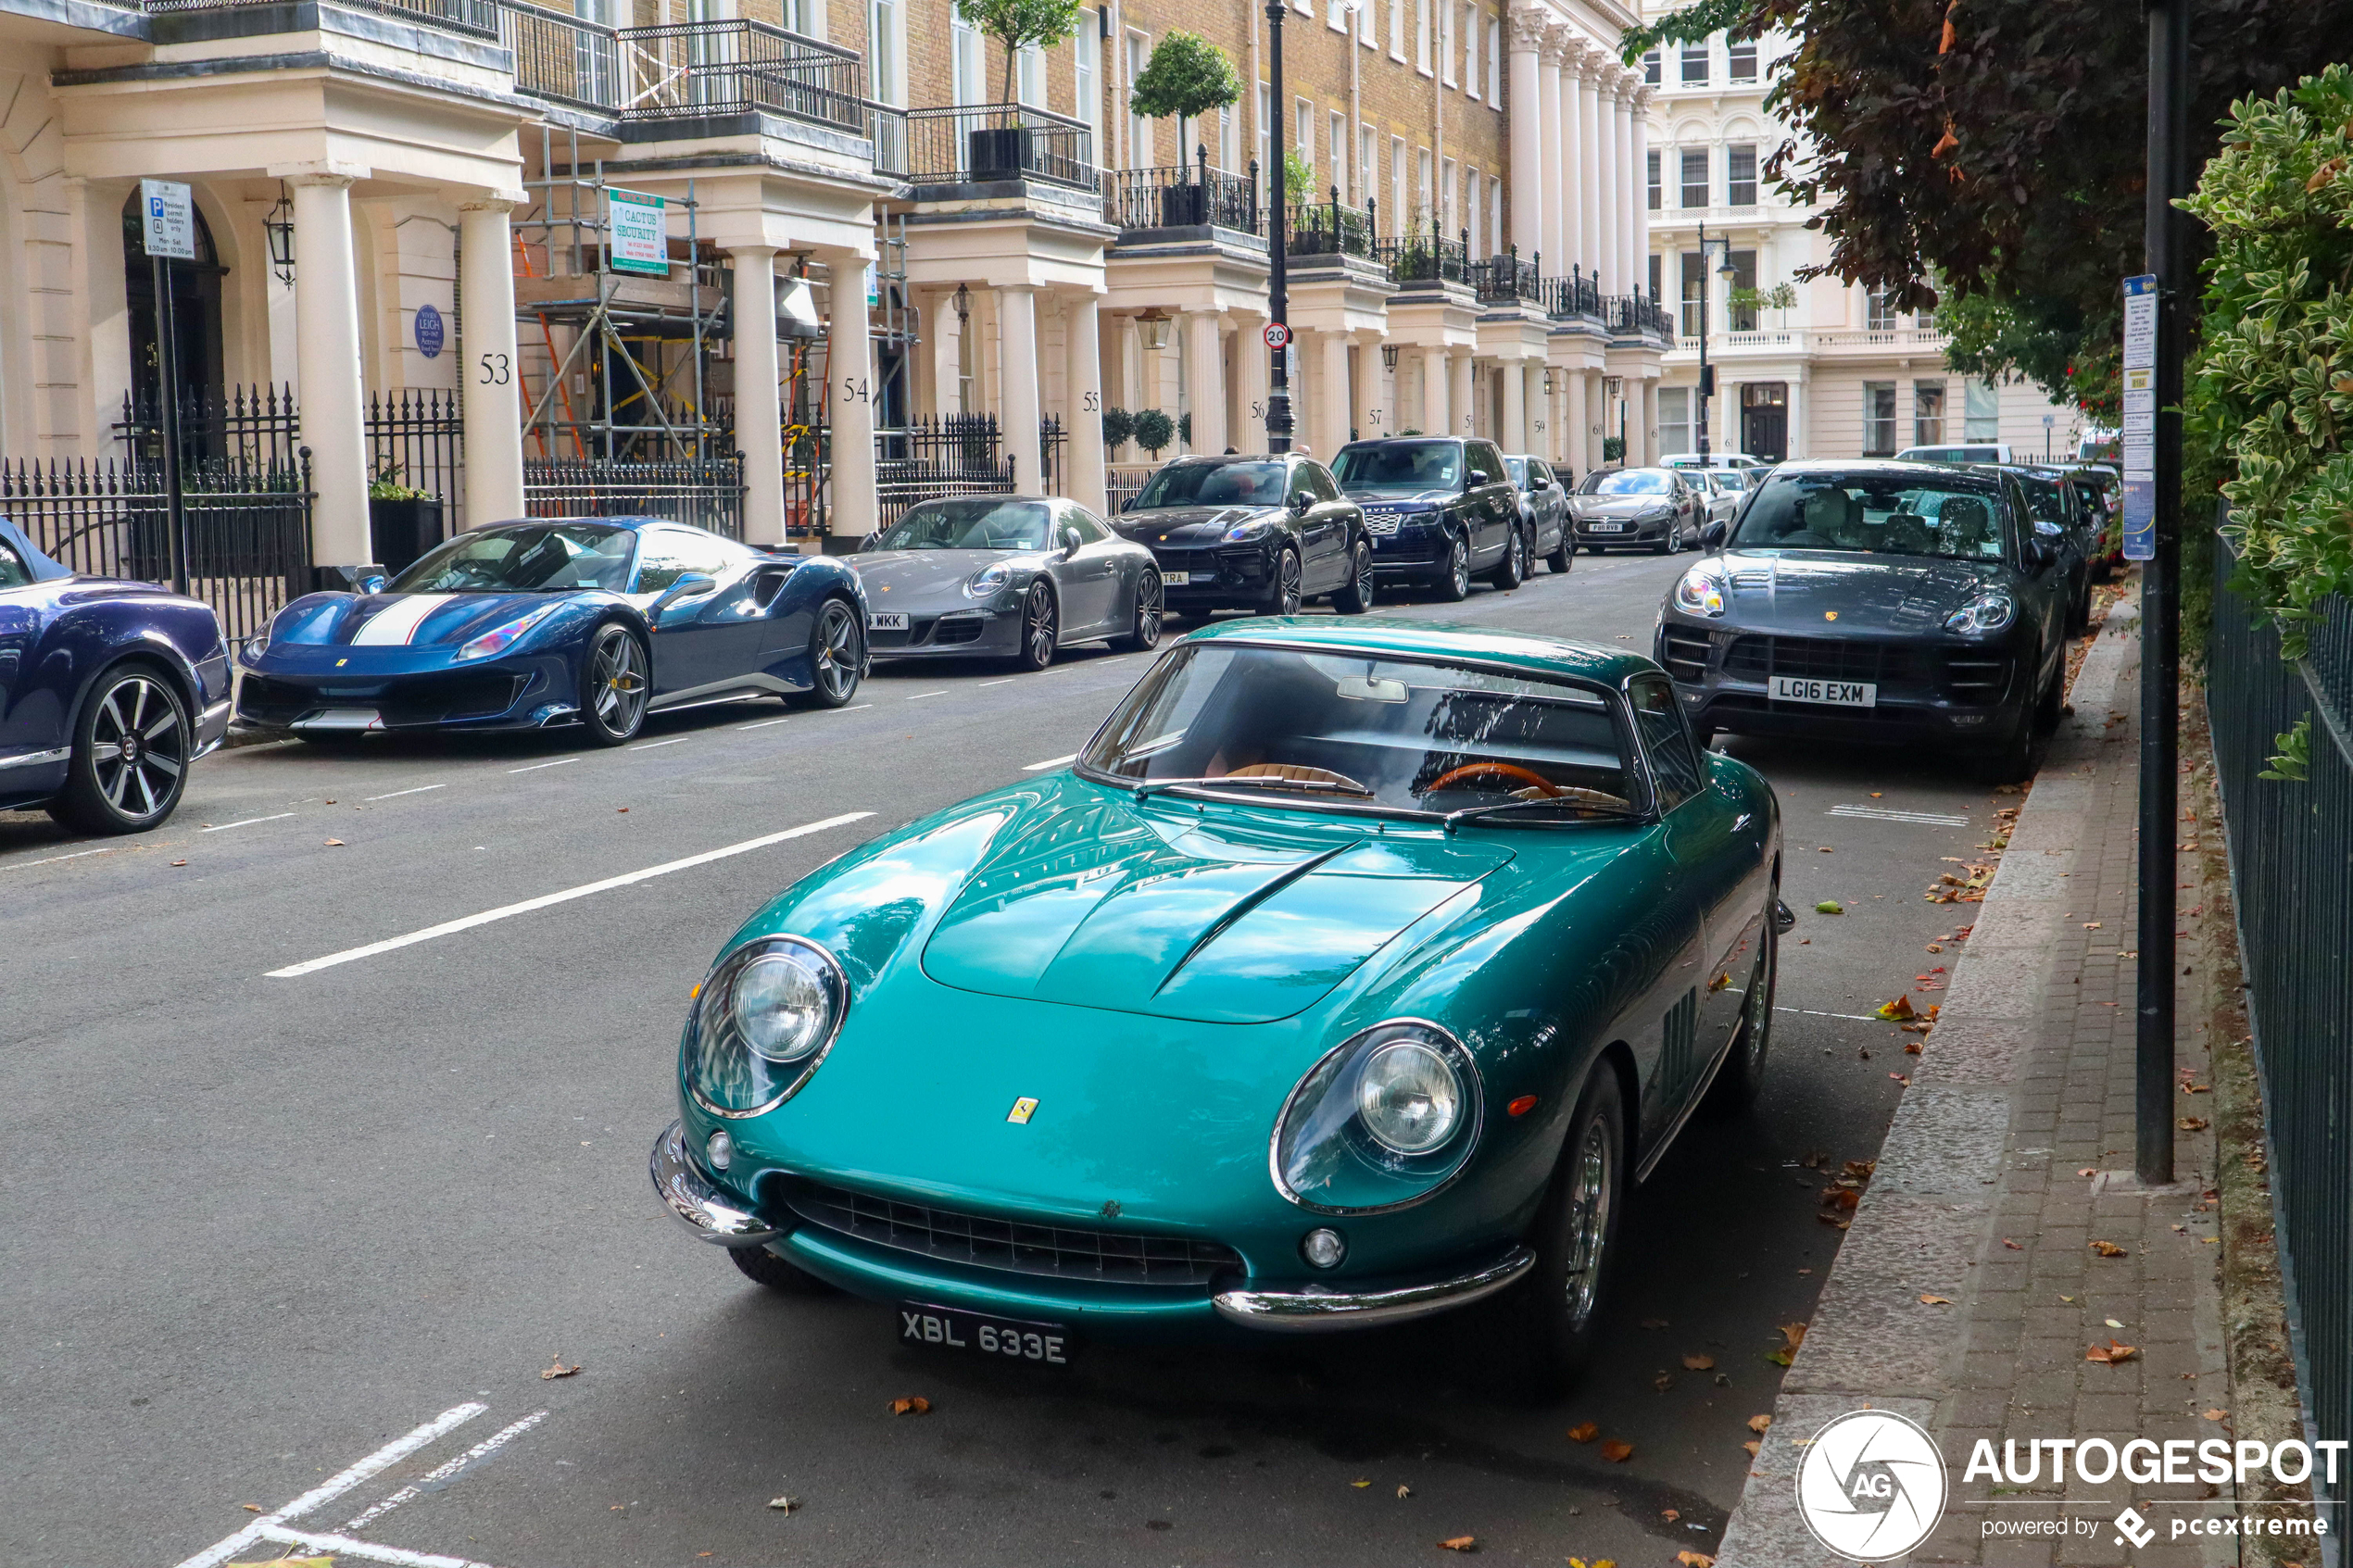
(1050, 762)
(1008, 679)
(1815, 1012)
(920, 695)
(384, 1458)
(483, 1449)
(398, 793)
(1879, 814)
(763, 723)
(53, 859)
(852, 708)
(247, 823)
(652, 744)
(344, 1546)
(537, 766)
(293, 971)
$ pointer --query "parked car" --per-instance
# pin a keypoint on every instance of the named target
(1713, 460)
(1877, 601)
(1438, 509)
(1259, 534)
(2100, 492)
(2059, 514)
(1964, 452)
(589, 621)
(1660, 510)
(1015, 577)
(1543, 510)
(1723, 489)
(109, 691)
(1356, 973)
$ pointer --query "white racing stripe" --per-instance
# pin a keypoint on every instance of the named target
(1050, 762)
(399, 620)
(1880, 814)
(447, 928)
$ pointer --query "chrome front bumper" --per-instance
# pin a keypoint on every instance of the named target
(1314, 1311)
(715, 1215)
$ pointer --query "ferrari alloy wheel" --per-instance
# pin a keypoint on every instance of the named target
(1550, 1320)
(1453, 572)
(1743, 1074)
(1150, 613)
(1039, 632)
(764, 1267)
(1512, 571)
(1355, 595)
(836, 655)
(1558, 560)
(615, 686)
(131, 748)
(1285, 599)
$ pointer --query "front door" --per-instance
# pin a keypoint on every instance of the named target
(1088, 577)
(1765, 420)
(707, 639)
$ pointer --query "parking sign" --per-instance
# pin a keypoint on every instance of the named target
(170, 219)
(2140, 417)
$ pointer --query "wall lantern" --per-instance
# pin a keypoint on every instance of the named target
(1153, 324)
(1548, 383)
(1389, 355)
(963, 303)
(279, 226)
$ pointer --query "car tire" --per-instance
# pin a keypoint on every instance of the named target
(1040, 629)
(1355, 595)
(129, 763)
(1453, 572)
(1285, 596)
(838, 655)
(1561, 553)
(1151, 614)
(2014, 762)
(1551, 1320)
(1743, 1074)
(616, 683)
(1512, 571)
(1668, 541)
(2051, 706)
(763, 1267)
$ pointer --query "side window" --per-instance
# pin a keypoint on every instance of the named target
(1480, 462)
(1090, 530)
(1319, 480)
(1674, 760)
(660, 562)
(1539, 476)
(14, 573)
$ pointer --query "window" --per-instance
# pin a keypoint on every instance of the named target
(1446, 198)
(1651, 67)
(884, 48)
(1423, 212)
(1879, 315)
(1981, 411)
(1743, 317)
(1446, 41)
(1675, 420)
(1472, 211)
(1303, 136)
(1397, 28)
(1658, 268)
(1337, 141)
(1397, 217)
(1694, 280)
(1335, 14)
(670, 553)
(966, 63)
(1265, 134)
(1655, 159)
(1086, 49)
(1470, 50)
(1139, 129)
(1675, 768)
(1029, 77)
(14, 573)
(1695, 57)
(1495, 211)
(1367, 164)
(1494, 63)
(1228, 140)
(1740, 175)
(1928, 413)
(1740, 59)
(1421, 35)
(1879, 418)
(1694, 176)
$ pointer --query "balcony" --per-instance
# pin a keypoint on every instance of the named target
(1423, 257)
(980, 144)
(1182, 196)
(1575, 296)
(477, 18)
(1634, 315)
(1327, 228)
(687, 71)
(1506, 279)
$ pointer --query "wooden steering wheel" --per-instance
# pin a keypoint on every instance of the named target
(1508, 769)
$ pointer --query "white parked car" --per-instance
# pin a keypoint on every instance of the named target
(1966, 452)
(1715, 460)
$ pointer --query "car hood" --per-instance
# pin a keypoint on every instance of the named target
(1620, 506)
(411, 620)
(1189, 525)
(921, 579)
(1417, 500)
(1802, 589)
(1103, 905)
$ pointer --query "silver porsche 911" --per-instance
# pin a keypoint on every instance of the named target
(1006, 576)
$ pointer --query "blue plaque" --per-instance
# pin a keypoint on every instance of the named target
(429, 336)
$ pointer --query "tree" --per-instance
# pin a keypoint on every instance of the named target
(1187, 75)
(1119, 427)
(1155, 430)
(1021, 24)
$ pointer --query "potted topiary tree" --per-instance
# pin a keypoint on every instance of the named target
(1155, 430)
(1001, 152)
(1187, 77)
(1119, 428)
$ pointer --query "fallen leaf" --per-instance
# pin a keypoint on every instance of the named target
(1897, 1010)
(1933, 948)
(560, 1370)
(1360, 1483)
(916, 1405)
(1662, 1382)
(1618, 1450)
(1584, 1432)
(1695, 1560)
(1670, 1514)
(784, 1505)
(620, 810)
(1815, 1160)
(1911, 1047)
(1828, 907)
(1460, 1543)
(1828, 850)
(1901, 1079)
(2091, 925)
(2112, 1353)
(1751, 1445)
(334, 844)
(250, 1507)
(1698, 1362)
(2089, 1171)
(2216, 1414)
(1760, 1423)
(1861, 1170)
(1927, 1300)
(1795, 1333)
(1405, 1491)
(179, 863)
(2113, 1324)
(2192, 1124)
(2110, 1249)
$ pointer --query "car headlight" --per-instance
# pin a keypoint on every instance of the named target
(1987, 612)
(1385, 1118)
(1700, 593)
(498, 639)
(1241, 533)
(251, 650)
(761, 1024)
(988, 580)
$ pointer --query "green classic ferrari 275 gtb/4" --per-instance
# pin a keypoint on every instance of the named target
(1354, 973)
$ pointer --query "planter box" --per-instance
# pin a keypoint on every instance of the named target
(401, 531)
(1183, 206)
(999, 154)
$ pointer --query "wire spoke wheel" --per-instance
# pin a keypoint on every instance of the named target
(1591, 1195)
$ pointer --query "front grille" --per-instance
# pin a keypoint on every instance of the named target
(438, 698)
(929, 630)
(273, 702)
(1976, 679)
(1382, 524)
(1058, 1252)
(1827, 658)
(954, 629)
(1687, 654)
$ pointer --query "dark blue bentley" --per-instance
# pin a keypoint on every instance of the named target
(594, 621)
(107, 691)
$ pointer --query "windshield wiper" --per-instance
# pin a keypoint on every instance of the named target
(1597, 811)
(1149, 787)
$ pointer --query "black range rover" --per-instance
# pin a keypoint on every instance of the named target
(1259, 534)
(1438, 509)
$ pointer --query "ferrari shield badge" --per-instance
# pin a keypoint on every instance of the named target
(1023, 1109)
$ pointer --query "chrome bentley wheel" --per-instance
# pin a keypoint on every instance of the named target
(836, 655)
(130, 754)
(616, 687)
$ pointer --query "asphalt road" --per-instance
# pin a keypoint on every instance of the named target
(256, 1228)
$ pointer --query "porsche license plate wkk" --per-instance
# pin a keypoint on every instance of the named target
(951, 1328)
(1838, 693)
(886, 621)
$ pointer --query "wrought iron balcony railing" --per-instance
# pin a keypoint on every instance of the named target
(1637, 313)
(1575, 295)
(478, 18)
(976, 143)
(1421, 256)
(689, 70)
(1499, 279)
(1327, 228)
(1183, 196)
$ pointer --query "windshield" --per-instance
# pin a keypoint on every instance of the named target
(1279, 725)
(2043, 503)
(529, 557)
(969, 525)
(1896, 514)
(1626, 482)
(1400, 467)
(1519, 467)
(1214, 484)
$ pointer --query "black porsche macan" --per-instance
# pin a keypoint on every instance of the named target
(1258, 533)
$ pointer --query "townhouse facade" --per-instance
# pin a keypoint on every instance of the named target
(1803, 368)
(787, 264)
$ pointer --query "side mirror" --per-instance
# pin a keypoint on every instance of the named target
(374, 583)
(1127, 503)
(1300, 503)
(1712, 536)
(2038, 553)
(1070, 543)
(693, 585)
(2046, 528)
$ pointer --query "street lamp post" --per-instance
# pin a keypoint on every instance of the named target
(1279, 422)
(1707, 373)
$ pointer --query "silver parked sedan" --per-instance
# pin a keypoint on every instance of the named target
(1005, 576)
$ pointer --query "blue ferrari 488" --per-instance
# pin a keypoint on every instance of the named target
(594, 621)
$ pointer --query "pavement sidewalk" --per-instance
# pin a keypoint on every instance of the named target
(2007, 1167)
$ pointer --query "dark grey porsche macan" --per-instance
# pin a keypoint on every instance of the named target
(1877, 601)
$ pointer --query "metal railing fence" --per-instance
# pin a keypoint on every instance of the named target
(1635, 314)
(1502, 278)
(479, 18)
(1328, 228)
(973, 142)
(706, 492)
(1421, 256)
(2291, 851)
(1184, 195)
(1575, 295)
(686, 69)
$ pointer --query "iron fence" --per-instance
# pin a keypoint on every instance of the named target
(1634, 314)
(1499, 279)
(1575, 295)
(688, 70)
(955, 455)
(974, 142)
(2291, 851)
(479, 18)
(562, 57)
(1185, 195)
(706, 492)
(248, 527)
(1421, 256)
(1327, 228)
(417, 437)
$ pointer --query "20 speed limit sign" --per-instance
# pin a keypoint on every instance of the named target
(1277, 334)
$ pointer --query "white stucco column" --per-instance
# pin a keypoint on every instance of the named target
(1251, 367)
(1588, 163)
(1530, 166)
(1464, 420)
(759, 412)
(1573, 447)
(1610, 252)
(1334, 400)
(1552, 241)
(1795, 442)
(851, 512)
(1601, 424)
(1364, 385)
(1017, 399)
(327, 361)
(491, 402)
(1205, 379)
(1513, 437)
(1082, 375)
(1639, 208)
(1570, 129)
(1629, 199)
(1435, 382)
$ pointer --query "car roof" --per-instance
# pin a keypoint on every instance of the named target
(1217, 459)
(1427, 639)
(1893, 468)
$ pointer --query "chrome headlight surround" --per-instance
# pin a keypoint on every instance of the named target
(1327, 1159)
(1700, 592)
(1249, 532)
(719, 1060)
(1987, 612)
(990, 580)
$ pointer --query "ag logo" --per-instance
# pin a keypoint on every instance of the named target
(1872, 1485)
